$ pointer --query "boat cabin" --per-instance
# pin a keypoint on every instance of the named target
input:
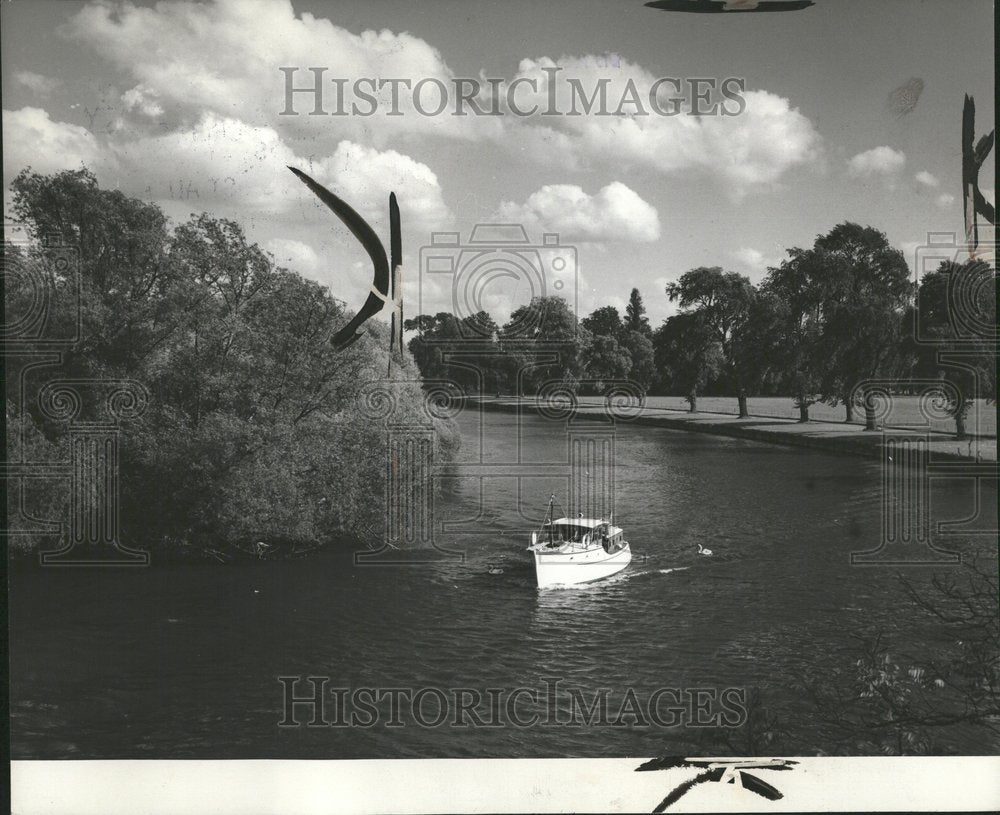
(582, 532)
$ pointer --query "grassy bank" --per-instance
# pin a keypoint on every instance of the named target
(905, 411)
(834, 437)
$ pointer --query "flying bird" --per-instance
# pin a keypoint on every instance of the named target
(381, 292)
(717, 6)
(724, 771)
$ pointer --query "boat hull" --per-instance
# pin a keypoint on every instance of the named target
(554, 568)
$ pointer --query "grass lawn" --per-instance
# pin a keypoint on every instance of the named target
(982, 418)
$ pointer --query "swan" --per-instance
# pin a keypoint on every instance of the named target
(703, 551)
(495, 570)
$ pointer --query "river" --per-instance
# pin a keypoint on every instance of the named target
(182, 661)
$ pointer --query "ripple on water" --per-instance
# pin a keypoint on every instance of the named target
(191, 656)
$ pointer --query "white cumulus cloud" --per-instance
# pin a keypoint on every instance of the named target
(755, 262)
(926, 178)
(30, 136)
(218, 160)
(365, 176)
(295, 255)
(615, 213)
(222, 57)
(228, 166)
(756, 147)
(877, 161)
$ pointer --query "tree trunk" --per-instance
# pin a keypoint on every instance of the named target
(693, 402)
(869, 411)
(849, 406)
(742, 399)
(803, 412)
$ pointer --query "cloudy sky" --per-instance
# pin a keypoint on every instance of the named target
(180, 103)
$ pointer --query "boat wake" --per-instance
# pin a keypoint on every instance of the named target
(622, 577)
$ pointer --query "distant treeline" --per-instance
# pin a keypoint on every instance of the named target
(822, 324)
(252, 431)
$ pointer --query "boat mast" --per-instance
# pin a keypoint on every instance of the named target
(552, 500)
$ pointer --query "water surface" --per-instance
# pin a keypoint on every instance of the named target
(182, 661)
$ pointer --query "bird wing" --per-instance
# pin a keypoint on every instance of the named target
(663, 763)
(984, 207)
(373, 246)
(983, 147)
(754, 784)
(681, 790)
(968, 128)
(395, 261)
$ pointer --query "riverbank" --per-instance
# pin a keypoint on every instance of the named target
(833, 437)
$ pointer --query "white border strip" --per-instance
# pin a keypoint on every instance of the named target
(489, 785)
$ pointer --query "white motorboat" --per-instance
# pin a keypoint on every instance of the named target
(569, 551)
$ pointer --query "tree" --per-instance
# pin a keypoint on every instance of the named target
(640, 349)
(605, 360)
(637, 343)
(254, 421)
(687, 355)
(542, 342)
(635, 315)
(956, 313)
(457, 350)
(756, 348)
(865, 289)
(604, 322)
(843, 303)
(796, 322)
(131, 299)
(481, 364)
(722, 301)
(47, 497)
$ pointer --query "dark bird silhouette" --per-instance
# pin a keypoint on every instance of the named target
(719, 6)
(972, 161)
(719, 770)
(395, 265)
(755, 784)
(359, 227)
(681, 790)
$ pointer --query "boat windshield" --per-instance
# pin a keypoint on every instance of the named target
(566, 532)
